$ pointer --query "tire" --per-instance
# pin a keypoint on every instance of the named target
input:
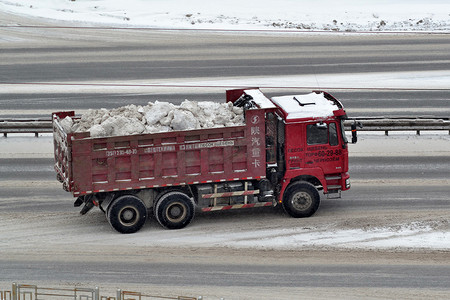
(301, 200)
(174, 210)
(127, 214)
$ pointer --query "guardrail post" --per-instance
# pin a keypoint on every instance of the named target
(14, 291)
(96, 293)
(119, 294)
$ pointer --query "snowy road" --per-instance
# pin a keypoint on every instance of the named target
(400, 190)
(357, 103)
(222, 275)
(388, 236)
(155, 56)
(136, 59)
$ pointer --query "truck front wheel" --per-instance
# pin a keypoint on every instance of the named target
(174, 210)
(127, 214)
(301, 199)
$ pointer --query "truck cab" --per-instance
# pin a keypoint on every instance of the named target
(314, 144)
(305, 140)
(306, 148)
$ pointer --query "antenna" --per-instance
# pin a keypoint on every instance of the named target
(317, 81)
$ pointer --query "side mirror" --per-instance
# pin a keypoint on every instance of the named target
(354, 135)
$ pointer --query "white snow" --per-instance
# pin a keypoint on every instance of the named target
(303, 106)
(327, 15)
(260, 99)
(415, 235)
(155, 117)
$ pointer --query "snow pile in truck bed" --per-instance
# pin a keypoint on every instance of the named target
(155, 117)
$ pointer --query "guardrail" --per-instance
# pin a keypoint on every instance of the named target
(33, 292)
(385, 124)
(35, 126)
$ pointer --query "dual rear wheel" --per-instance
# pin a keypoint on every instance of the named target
(173, 210)
(127, 214)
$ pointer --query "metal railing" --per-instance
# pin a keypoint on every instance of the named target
(33, 292)
(400, 124)
(385, 124)
(127, 295)
(35, 126)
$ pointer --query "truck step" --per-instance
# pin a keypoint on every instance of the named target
(334, 187)
(333, 178)
(230, 194)
(237, 206)
(334, 194)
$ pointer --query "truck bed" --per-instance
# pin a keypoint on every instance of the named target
(87, 165)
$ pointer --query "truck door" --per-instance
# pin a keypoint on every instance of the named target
(323, 147)
(295, 144)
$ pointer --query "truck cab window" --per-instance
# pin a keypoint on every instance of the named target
(334, 141)
(316, 134)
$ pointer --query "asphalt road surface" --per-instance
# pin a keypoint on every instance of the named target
(49, 55)
(241, 275)
(357, 104)
(386, 190)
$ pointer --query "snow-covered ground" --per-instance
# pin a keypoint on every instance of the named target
(327, 15)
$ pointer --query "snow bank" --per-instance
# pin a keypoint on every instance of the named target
(328, 15)
(155, 117)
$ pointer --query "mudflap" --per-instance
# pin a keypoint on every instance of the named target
(79, 201)
(88, 203)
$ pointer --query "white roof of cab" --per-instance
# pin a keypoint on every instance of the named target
(260, 99)
(306, 106)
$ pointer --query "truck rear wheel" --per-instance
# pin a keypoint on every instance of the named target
(127, 214)
(301, 199)
(174, 210)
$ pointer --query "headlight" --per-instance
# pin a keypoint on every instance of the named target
(347, 183)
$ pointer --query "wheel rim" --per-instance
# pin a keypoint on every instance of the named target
(301, 201)
(128, 216)
(176, 212)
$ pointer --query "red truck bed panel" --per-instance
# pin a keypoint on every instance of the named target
(90, 165)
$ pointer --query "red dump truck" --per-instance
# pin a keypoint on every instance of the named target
(289, 149)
